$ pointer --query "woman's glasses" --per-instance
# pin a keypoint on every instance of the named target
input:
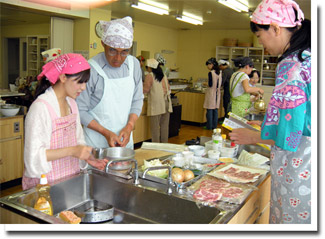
(114, 52)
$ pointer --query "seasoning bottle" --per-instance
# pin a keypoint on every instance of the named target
(217, 139)
(44, 202)
(224, 138)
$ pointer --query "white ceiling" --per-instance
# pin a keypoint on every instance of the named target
(215, 15)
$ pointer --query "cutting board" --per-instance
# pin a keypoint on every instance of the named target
(145, 154)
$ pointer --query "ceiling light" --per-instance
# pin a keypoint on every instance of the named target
(235, 5)
(150, 8)
(189, 20)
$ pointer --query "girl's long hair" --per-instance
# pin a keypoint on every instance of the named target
(158, 73)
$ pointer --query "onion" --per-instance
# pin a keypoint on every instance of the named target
(177, 175)
(188, 175)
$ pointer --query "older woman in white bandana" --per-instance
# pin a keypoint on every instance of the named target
(113, 100)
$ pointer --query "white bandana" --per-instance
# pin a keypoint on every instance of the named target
(118, 33)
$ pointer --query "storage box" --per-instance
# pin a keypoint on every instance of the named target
(230, 42)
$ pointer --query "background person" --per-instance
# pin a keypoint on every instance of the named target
(212, 93)
(159, 101)
(226, 75)
(239, 87)
(142, 65)
(281, 29)
(113, 100)
(54, 140)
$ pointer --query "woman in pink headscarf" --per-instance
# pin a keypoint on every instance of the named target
(54, 141)
(281, 28)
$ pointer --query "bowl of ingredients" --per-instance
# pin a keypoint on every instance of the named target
(9, 109)
(213, 154)
(198, 150)
(115, 153)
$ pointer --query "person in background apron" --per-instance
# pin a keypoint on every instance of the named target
(226, 75)
(159, 102)
(113, 100)
(212, 93)
(239, 88)
(54, 140)
(280, 27)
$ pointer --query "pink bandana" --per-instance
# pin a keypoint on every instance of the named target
(277, 11)
(66, 64)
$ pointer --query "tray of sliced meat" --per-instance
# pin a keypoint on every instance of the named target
(208, 190)
(238, 173)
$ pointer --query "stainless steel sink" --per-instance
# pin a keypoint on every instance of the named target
(147, 202)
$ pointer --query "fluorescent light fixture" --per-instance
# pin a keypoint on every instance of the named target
(235, 5)
(150, 8)
(189, 20)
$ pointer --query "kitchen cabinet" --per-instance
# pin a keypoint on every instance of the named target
(192, 106)
(35, 45)
(264, 63)
(257, 206)
(11, 148)
(142, 130)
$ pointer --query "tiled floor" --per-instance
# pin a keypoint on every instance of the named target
(187, 132)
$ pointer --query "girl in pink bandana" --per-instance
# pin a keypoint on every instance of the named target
(54, 141)
(281, 29)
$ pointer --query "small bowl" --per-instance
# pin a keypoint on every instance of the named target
(213, 154)
(9, 110)
(188, 154)
(197, 149)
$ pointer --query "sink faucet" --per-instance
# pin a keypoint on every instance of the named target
(136, 172)
(169, 179)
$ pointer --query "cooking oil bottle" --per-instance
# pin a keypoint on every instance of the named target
(44, 202)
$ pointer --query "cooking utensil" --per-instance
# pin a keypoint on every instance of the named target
(259, 104)
(94, 211)
(116, 153)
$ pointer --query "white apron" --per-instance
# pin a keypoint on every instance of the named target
(112, 112)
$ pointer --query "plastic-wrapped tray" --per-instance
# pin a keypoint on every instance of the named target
(238, 173)
(208, 190)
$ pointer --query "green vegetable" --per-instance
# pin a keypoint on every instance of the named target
(160, 173)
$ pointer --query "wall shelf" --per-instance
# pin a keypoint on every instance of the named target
(261, 61)
(35, 45)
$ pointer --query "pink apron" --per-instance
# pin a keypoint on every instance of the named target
(63, 135)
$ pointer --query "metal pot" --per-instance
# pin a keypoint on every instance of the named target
(259, 104)
(115, 153)
(93, 211)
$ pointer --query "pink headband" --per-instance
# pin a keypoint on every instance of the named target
(278, 11)
(66, 64)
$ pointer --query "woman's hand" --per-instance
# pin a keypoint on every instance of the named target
(261, 91)
(255, 122)
(245, 136)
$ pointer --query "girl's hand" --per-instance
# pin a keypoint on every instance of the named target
(82, 152)
(97, 163)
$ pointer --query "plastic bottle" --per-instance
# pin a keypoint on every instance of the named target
(217, 139)
(224, 138)
(44, 202)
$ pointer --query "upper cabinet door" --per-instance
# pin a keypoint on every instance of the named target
(62, 34)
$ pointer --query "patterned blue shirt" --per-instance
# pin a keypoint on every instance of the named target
(288, 115)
